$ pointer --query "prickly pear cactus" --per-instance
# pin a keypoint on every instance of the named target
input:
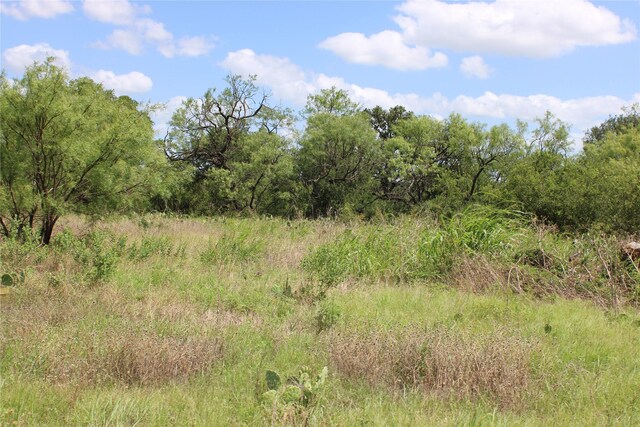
(298, 391)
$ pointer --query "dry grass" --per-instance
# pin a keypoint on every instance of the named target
(604, 279)
(478, 274)
(96, 336)
(142, 358)
(166, 307)
(441, 362)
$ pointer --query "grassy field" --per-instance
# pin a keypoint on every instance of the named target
(484, 319)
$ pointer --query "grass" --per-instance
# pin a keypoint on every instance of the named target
(484, 319)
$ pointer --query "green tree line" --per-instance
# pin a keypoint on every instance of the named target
(72, 146)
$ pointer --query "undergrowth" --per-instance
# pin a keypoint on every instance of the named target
(503, 249)
(484, 317)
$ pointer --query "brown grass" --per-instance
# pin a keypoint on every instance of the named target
(605, 279)
(444, 362)
(141, 358)
(95, 336)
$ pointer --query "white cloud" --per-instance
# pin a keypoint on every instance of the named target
(118, 12)
(386, 48)
(127, 40)
(17, 58)
(136, 32)
(474, 66)
(133, 82)
(153, 31)
(25, 9)
(194, 46)
(291, 83)
(579, 112)
(133, 39)
(537, 29)
(287, 80)
(186, 46)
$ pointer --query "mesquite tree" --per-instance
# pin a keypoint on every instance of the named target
(68, 145)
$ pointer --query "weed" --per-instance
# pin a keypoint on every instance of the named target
(233, 248)
(327, 315)
(161, 342)
(151, 245)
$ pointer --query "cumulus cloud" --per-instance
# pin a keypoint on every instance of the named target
(133, 82)
(25, 9)
(127, 40)
(474, 66)
(293, 84)
(117, 12)
(538, 29)
(386, 48)
(136, 32)
(133, 39)
(286, 79)
(186, 46)
(194, 46)
(17, 58)
(153, 31)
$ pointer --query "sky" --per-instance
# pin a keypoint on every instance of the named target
(491, 61)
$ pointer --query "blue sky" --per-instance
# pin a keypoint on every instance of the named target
(491, 61)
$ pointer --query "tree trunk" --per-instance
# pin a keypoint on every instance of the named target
(48, 222)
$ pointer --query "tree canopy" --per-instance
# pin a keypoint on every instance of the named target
(68, 145)
(72, 146)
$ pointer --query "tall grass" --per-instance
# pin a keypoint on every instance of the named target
(485, 317)
(480, 248)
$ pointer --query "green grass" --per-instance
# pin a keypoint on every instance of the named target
(172, 321)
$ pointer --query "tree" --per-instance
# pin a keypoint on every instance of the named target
(535, 179)
(619, 124)
(383, 121)
(408, 172)
(232, 140)
(337, 154)
(68, 146)
(609, 176)
(551, 136)
(206, 132)
(449, 160)
(332, 101)
(488, 151)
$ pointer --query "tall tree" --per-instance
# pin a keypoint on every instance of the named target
(383, 121)
(68, 146)
(332, 101)
(234, 142)
(532, 179)
(206, 132)
(409, 169)
(619, 124)
(336, 154)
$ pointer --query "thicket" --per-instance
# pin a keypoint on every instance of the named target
(231, 152)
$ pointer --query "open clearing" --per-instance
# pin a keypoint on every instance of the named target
(169, 321)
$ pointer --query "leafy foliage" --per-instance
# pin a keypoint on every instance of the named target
(69, 146)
